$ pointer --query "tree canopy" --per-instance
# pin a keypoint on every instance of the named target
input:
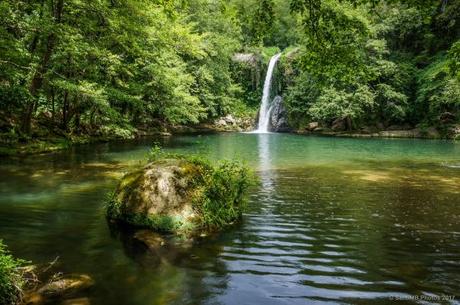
(110, 66)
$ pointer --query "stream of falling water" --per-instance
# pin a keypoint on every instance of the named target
(264, 113)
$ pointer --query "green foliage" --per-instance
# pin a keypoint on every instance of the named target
(220, 194)
(373, 63)
(11, 281)
(268, 52)
(221, 199)
(85, 67)
(339, 104)
(335, 36)
(155, 152)
(265, 23)
(107, 68)
(404, 27)
(393, 103)
(303, 92)
(454, 60)
(262, 20)
(438, 89)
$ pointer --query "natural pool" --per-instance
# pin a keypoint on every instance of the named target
(334, 220)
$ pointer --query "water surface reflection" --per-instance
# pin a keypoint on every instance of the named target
(333, 221)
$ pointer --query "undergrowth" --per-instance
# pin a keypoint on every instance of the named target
(11, 281)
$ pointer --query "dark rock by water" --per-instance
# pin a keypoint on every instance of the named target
(339, 125)
(278, 116)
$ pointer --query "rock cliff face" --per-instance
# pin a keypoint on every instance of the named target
(230, 123)
(278, 116)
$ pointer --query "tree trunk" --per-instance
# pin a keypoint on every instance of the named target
(77, 122)
(65, 110)
(37, 80)
(34, 43)
(53, 102)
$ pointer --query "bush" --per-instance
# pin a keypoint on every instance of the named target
(439, 88)
(221, 199)
(339, 104)
(11, 281)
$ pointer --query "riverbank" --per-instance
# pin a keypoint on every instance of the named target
(450, 133)
(58, 143)
(53, 143)
(226, 124)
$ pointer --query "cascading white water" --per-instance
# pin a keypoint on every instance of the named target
(264, 113)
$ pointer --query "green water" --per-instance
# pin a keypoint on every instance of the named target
(333, 221)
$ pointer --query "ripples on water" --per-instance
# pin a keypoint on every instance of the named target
(319, 239)
(333, 221)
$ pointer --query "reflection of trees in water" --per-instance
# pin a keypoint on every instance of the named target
(172, 271)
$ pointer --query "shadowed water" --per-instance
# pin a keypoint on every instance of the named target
(336, 221)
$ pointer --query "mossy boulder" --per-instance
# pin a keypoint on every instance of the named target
(181, 195)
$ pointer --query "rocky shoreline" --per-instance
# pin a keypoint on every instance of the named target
(450, 133)
(58, 143)
(232, 124)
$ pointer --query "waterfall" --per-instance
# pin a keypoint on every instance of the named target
(264, 112)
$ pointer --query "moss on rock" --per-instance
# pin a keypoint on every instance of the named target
(181, 195)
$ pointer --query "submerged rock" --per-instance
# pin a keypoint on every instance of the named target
(58, 289)
(278, 116)
(78, 301)
(181, 196)
(66, 285)
(150, 239)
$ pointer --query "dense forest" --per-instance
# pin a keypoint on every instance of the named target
(110, 67)
(328, 219)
